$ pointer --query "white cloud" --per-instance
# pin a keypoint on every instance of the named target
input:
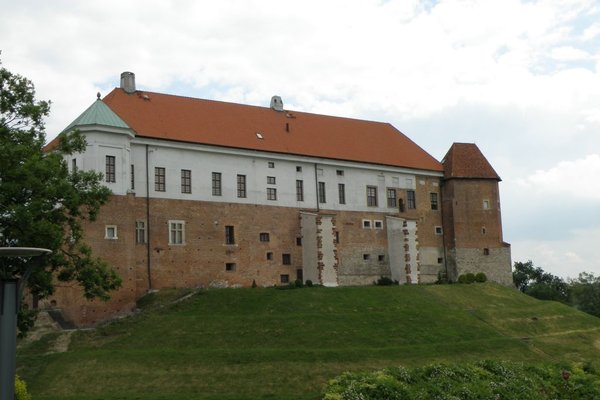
(568, 53)
(576, 252)
(579, 177)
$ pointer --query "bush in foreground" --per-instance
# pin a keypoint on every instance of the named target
(480, 380)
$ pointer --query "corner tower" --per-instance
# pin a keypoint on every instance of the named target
(471, 216)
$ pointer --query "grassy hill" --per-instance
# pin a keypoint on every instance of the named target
(286, 344)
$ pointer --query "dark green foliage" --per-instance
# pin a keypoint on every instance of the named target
(479, 380)
(480, 277)
(298, 283)
(385, 281)
(42, 203)
(539, 284)
(585, 293)
(308, 283)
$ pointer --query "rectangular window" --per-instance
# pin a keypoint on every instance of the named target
(401, 205)
(411, 200)
(271, 194)
(366, 223)
(111, 175)
(378, 224)
(339, 172)
(159, 179)
(229, 235)
(322, 198)
(186, 181)
(270, 180)
(342, 193)
(286, 259)
(241, 186)
(132, 177)
(110, 232)
(176, 232)
(284, 278)
(299, 190)
(271, 164)
(299, 274)
(140, 232)
(270, 256)
(216, 184)
(298, 169)
(486, 252)
(264, 236)
(486, 204)
(74, 165)
(372, 196)
(438, 230)
(298, 241)
(392, 201)
(434, 200)
(230, 267)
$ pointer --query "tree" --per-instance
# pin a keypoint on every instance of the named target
(539, 284)
(585, 293)
(42, 203)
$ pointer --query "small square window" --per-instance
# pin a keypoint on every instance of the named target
(378, 224)
(440, 260)
(230, 267)
(339, 172)
(110, 232)
(438, 230)
(285, 278)
(270, 255)
(366, 257)
(381, 258)
(298, 169)
(486, 252)
(298, 241)
(486, 204)
(270, 180)
(286, 259)
(271, 164)
(366, 223)
(264, 236)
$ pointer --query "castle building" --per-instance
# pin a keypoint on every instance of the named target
(216, 194)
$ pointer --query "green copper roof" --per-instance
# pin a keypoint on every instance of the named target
(98, 114)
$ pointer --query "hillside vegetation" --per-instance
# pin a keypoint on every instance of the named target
(286, 344)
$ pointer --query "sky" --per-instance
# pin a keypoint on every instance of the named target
(521, 79)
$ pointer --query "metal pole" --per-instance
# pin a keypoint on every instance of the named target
(8, 337)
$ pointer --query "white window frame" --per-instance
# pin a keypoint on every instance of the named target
(139, 229)
(367, 224)
(377, 224)
(107, 228)
(438, 230)
(173, 229)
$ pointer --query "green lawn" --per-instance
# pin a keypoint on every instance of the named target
(286, 344)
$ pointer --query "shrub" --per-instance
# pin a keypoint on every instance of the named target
(309, 283)
(298, 283)
(462, 278)
(21, 392)
(480, 380)
(480, 277)
(470, 277)
(384, 281)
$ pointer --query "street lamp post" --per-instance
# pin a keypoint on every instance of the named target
(10, 295)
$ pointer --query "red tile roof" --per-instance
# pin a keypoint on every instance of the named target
(185, 119)
(465, 160)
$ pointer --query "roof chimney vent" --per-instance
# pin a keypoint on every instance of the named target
(128, 82)
(276, 103)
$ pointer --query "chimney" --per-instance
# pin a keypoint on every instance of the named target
(276, 103)
(128, 82)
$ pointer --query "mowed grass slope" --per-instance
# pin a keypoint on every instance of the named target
(285, 344)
